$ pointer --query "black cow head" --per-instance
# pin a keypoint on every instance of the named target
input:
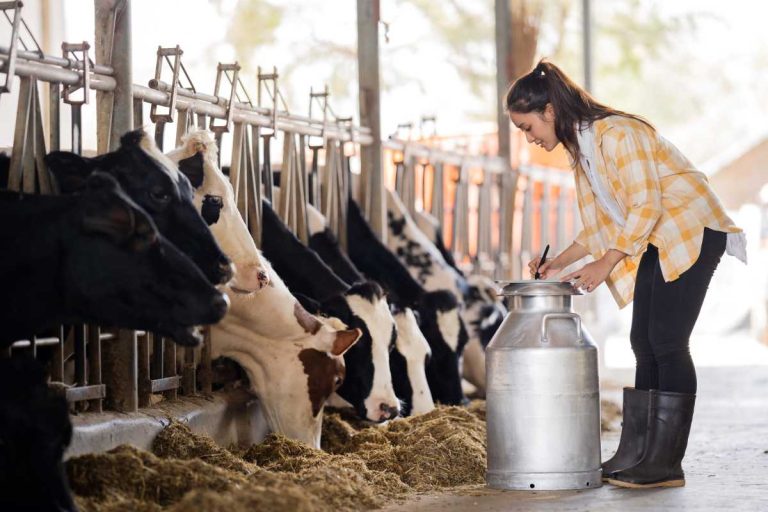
(156, 185)
(118, 270)
(34, 433)
(447, 336)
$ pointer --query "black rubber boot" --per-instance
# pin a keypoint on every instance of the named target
(669, 424)
(633, 430)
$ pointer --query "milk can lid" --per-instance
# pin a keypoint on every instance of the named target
(537, 288)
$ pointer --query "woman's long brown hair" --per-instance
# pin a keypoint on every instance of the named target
(547, 83)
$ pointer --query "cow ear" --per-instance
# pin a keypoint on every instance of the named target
(192, 168)
(70, 169)
(105, 211)
(344, 341)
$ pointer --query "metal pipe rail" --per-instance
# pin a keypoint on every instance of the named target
(47, 69)
(57, 61)
(491, 164)
(261, 116)
(48, 73)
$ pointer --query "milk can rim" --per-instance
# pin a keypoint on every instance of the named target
(540, 287)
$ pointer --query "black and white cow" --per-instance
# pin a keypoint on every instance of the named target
(439, 311)
(155, 184)
(368, 383)
(408, 360)
(96, 257)
(34, 433)
(482, 311)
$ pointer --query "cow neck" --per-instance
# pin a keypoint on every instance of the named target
(31, 272)
(302, 270)
(327, 247)
(374, 259)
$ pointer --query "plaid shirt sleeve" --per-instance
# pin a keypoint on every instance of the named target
(637, 172)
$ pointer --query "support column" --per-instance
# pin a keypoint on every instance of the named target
(370, 112)
(114, 111)
(587, 30)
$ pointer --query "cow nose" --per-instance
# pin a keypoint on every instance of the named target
(219, 305)
(226, 271)
(388, 411)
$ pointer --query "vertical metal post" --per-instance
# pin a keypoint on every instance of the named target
(370, 112)
(503, 38)
(587, 32)
(114, 110)
(120, 372)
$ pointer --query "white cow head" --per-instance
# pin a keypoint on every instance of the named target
(215, 199)
(408, 362)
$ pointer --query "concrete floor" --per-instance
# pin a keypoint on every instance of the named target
(726, 465)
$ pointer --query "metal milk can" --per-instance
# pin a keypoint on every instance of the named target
(542, 398)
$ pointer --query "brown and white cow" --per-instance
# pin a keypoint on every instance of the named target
(292, 376)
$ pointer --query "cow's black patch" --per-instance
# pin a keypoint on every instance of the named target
(326, 245)
(300, 267)
(211, 209)
(443, 367)
(369, 290)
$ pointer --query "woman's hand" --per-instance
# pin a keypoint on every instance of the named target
(591, 275)
(548, 269)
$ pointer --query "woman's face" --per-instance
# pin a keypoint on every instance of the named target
(539, 127)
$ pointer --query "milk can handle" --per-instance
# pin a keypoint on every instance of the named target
(547, 316)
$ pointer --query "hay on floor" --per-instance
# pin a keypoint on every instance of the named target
(126, 473)
(179, 442)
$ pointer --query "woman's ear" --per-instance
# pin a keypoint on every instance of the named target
(549, 112)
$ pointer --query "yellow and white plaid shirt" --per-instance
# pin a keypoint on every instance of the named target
(664, 199)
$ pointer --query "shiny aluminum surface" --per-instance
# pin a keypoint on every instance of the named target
(543, 405)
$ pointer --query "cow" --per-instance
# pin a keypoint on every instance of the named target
(215, 199)
(438, 310)
(34, 433)
(419, 255)
(96, 257)
(368, 384)
(293, 360)
(481, 311)
(408, 360)
(408, 363)
(155, 184)
(430, 226)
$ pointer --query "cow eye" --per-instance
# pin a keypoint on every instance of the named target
(160, 196)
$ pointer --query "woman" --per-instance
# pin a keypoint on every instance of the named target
(656, 232)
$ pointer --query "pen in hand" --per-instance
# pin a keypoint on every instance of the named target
(537, 275)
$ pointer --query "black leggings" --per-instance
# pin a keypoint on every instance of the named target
(664, 315)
